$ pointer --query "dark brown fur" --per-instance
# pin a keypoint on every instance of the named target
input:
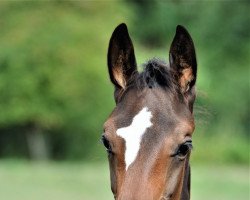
(161, 169)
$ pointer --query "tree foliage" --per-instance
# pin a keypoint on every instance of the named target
(53, 73)
(221, 34)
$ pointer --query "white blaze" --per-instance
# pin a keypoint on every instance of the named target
(133, 133)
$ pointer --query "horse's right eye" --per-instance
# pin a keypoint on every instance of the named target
(106, 144)
(184, 149)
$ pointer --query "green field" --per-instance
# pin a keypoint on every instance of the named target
(85, 181)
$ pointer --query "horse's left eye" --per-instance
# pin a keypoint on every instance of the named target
(106, 144)
(184, 149)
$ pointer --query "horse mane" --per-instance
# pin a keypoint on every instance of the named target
(157, 73)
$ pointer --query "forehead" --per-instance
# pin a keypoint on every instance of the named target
(146, 118)
(166, 109)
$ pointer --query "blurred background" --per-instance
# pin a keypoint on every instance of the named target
(55, 92)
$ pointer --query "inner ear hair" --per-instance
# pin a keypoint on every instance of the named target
(118, 72)
(185, 79)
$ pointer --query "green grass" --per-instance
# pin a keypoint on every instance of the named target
(220, 182)
(90, 181)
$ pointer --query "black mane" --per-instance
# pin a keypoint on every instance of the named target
(157, 73)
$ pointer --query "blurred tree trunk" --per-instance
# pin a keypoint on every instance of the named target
(37, 143)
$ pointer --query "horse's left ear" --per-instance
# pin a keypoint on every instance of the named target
(121, 57)
(182, 60)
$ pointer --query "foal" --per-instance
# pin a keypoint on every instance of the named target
(148, 136)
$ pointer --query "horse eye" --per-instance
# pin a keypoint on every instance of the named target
(106, 144)
(184, 149)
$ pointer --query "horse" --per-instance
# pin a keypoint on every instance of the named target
(148, 135)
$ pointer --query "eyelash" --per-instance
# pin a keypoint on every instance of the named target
(183, 150)
(106, 144)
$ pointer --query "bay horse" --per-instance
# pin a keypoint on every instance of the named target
(148, 135)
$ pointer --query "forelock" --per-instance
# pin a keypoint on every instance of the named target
(156, 73)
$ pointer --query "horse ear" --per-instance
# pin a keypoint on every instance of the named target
(182, 59)
(121, 58)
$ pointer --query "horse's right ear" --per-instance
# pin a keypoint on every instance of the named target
(121, 58)
(182, 59)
